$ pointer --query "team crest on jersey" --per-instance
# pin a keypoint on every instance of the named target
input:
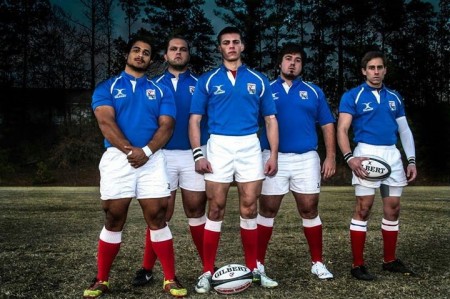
(367, 107)
(120, 93)
(303, 94)
(151, 94)
(191, 89)
(218, 90)
(251, 88)
(392, 105)
(275, 96)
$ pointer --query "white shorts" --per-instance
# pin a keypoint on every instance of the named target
(299, 173)
(181, 170)
(238, 156)
(391, 155)
(118, 179)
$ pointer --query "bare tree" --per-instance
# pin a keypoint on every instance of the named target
(132, 10)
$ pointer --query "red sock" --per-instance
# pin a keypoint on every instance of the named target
(149, 259)
(210, 246)
(389, 244)
(197, 236)
(249, 242)
(164, 251)
(358, 239)
(106, 254)
(314, 237)
(264, 235)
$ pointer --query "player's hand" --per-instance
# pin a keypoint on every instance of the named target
(136, 156)
(411, 172)
(271, 167)
(203, 166)
(328, 168)
(357, 168)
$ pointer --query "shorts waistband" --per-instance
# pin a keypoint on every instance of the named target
(372, 146)
(227, 137)
(113, 149)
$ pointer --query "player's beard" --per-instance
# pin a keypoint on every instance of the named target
(137, 68)
(178, 67)
(289, 76)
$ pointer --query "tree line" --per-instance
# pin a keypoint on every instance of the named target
(45, 47)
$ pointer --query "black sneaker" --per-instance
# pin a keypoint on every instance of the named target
(142, 277)
(361, 273)
(397, 266)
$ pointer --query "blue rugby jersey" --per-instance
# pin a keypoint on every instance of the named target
(233, 110)
(298, 113)
(138, 103)
(183, 98)
(373, 122)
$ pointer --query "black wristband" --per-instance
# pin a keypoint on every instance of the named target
(412, 160)
(348, 156)
(198, 154)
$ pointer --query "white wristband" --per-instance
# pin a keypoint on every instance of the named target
(148, 152)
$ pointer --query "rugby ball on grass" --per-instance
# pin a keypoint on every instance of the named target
(232, 279)
(377, 168)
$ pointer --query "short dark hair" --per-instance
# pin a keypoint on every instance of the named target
(371, 55)
(226, 30)
(292, 48)
(177, 36)
(141, 38)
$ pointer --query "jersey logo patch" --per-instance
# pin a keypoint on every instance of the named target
(275, 96)
(251, 88)
(367, 107)
(392, 105)
(219, 89)
(151, 94)
(303, 94)
(120, 93)
(191, 89)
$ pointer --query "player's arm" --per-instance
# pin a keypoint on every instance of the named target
(329, 138)
(139, 156)
(106, 119)
(271, 124)
(344, 122)
(201, 164)
(163, 133)
(407, 139)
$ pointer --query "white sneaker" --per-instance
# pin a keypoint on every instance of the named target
(204, 283)
(321, 271)
(260, 267)
(260, 277)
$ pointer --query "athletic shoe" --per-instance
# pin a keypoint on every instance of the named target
(321, 271)
(361, 273)
(260, 277)
(96, 289)
(204, 283)
(397, 266)
(142, 277)
(174, 288)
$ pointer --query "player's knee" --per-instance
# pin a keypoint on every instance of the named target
(248, 212)
(364, 213)
(309, 213)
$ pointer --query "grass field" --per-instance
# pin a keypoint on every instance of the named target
(48, 244)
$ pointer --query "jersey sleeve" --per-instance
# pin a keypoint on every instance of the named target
(347, 104)
(199, 97)
(268, 106)
(401, 109)
(102, 95)
(168, 106)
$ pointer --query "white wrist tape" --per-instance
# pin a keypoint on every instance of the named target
(148, 152)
